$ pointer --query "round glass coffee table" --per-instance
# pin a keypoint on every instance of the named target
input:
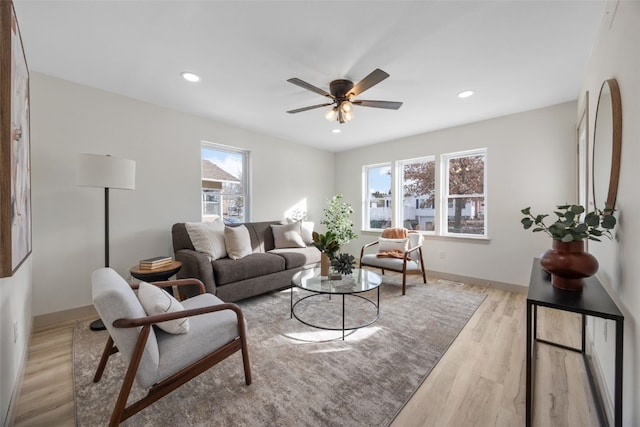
(348, 286)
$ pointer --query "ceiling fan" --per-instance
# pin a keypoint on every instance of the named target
(342, 93)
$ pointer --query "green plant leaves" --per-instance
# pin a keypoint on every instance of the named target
(568, 226)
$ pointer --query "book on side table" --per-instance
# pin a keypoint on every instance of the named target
(155, 262)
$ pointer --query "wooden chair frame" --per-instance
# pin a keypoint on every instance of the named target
(121, 412)
(403, 270)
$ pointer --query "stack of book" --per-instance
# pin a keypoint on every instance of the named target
(155, 262)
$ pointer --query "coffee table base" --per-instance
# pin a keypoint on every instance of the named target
(344, 328)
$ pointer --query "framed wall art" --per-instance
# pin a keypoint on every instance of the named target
(15, 146)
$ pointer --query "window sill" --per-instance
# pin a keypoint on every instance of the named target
(431, 234)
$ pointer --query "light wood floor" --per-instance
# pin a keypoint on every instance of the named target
(480, 381)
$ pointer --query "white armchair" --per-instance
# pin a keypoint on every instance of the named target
(161, 361)
(396, 255)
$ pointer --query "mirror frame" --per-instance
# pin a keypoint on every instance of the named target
(616, 147)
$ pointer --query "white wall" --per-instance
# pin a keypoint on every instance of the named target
(15, 308)
(615, 55)
(68, 221)
(531, 161)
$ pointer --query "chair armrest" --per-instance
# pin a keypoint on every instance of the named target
(367, 246)
(151, 320)
(177, 282)
(182, 282)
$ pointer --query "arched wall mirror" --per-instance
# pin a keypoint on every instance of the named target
(607, 142)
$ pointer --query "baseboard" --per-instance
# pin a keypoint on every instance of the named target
(45, 320)
(509, 287)
(17, 387)
(605, 397)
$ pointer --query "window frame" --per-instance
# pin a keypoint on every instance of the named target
(399, 205)
(245, 179)
(366, 196)
(445, 195)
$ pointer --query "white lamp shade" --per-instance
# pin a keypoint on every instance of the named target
(96, 170)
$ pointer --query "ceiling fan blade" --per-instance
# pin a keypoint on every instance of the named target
(299, 110)
(375, 77)
(391, 105)
(296, 81)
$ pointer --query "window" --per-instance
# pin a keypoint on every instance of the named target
(464, 193)
(225, 192)
(377, 199)
(417, 190)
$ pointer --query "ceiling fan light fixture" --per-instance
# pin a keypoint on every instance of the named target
(331, 114)
(346, 106)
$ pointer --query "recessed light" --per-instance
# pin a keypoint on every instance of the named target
(190, 77)
(465, 93)
(336, 131)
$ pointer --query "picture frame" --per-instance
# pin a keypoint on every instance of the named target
(15, 146)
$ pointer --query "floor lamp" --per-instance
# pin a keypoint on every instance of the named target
(104, 171)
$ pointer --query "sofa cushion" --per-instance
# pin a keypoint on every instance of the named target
(208, 237)
(237, 241)
(227, 270)
(287, 236)
(298, 257)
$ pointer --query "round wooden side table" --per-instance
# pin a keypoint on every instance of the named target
(159, 274)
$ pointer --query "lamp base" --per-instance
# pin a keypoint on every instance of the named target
(97, 325)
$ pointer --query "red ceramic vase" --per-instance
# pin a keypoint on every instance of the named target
(568, 264)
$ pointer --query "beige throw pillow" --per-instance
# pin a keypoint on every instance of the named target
(287, 236)
(237, 241)
(387, 245)
(208, 237)
(156, 300)
(306, 230)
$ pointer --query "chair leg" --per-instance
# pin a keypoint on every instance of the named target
(404, 283)
(121, 402)
(109, 349)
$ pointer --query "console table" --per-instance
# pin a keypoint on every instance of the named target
(592, 301)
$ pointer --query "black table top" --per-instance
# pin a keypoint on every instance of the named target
(593, 300)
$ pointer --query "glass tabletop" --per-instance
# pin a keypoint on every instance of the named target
(359, 281)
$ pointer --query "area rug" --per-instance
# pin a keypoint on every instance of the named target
(302, 376)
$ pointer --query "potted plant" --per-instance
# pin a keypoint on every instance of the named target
(337, 219)
(328, 245)
(566, 261)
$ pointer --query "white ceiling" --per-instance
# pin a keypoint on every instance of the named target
(518, 55)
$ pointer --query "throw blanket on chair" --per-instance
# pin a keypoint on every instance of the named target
(391, 243)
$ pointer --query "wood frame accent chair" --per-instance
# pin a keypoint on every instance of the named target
(409, 261)
(160, 361)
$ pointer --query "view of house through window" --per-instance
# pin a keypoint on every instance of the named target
(378, 196)
(224, 184)
(417, 209)
(465, 193)
(456, 207)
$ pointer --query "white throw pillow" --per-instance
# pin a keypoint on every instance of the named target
(156, 300)
(386, 245)
(237, 241)
(306, 230)
(208, 237)
(287, 236)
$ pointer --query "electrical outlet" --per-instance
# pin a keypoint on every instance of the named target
(441, 254)
(15, 332)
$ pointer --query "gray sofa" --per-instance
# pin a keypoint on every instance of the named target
(265, 269)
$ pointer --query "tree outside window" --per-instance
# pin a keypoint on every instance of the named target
(465, 193)
(417, 209)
